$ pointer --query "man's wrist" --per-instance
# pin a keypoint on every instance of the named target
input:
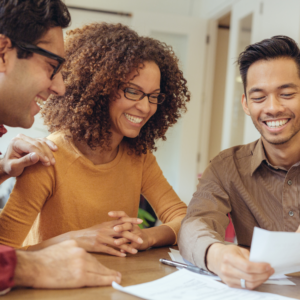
(26, 269)
(212, 255)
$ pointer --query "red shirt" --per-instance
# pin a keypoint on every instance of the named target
(2, 130)
(8, 258)
(8, 262)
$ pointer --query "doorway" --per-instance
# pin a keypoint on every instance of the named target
(219, 84)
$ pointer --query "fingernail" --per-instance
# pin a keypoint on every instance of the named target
(53, 161)
(140, 220)
(54, 147)
(33, 156)
(134, 251)
(119, 274)
(118, 279)
(110, 213)
(116, 242)
(140, 241)
(46, 158)
(116, 228)
(123, 254)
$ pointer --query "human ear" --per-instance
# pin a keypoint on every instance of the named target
(5, 46)
(245, 105)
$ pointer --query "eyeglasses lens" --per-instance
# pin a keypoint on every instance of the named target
(136, 95)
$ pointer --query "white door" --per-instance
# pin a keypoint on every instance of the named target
(177, 156)
(244, 29)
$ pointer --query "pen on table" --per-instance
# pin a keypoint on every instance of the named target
(188, 267)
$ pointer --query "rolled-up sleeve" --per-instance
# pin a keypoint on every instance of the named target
(8, 262)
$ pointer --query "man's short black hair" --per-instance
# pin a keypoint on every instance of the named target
(29, 20)
(278, 46)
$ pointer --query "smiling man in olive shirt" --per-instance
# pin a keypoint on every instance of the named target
(257, 184)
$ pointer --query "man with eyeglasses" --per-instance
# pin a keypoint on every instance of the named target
(31, 55)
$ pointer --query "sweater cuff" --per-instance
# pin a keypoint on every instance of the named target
(175, 226)
(8, 262)
(175, 243)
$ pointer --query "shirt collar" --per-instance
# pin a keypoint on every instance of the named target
(258, 156)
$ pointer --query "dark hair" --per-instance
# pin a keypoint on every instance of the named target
(276, 47)
(98, 58)
(29, 20)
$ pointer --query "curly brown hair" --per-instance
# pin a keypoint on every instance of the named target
(99, 57)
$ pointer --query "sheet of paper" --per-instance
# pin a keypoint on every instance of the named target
(279, 249)
(275, 279)
(187, 285)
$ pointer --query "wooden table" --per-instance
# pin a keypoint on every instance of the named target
(135, 269)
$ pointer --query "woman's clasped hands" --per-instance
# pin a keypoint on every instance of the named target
(129, 235)
(114, 237)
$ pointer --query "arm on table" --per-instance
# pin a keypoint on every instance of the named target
(32, 189)
(149, 237)
(8, 261)
(166, 204)
(201, 237)
(64, 265)
(24, 151)
(164, 201)
(99, 238)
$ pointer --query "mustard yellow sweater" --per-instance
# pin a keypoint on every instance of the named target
(75, 194)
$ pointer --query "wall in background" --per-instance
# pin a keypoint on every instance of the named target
(178, 7)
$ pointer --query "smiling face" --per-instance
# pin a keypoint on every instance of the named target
(23, 82)
(273, 99)
(127, 116)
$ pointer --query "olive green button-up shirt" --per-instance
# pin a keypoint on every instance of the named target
(240, 182)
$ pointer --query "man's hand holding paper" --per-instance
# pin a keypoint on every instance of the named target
(231, 263)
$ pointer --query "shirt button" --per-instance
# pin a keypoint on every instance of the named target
(291, 213)
(290, 182)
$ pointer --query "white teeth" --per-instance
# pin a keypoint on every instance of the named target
(133, 119)
(39, 101)
(276, 124)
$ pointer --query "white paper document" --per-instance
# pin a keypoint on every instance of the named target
(277, 279)
(187, 285)
(279, 249)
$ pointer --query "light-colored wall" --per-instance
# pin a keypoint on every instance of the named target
(215, 8)
(178, 7)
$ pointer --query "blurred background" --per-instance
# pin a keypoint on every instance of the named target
(207, 36)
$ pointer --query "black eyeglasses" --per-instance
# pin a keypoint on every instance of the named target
(137, 95)
(40, 51)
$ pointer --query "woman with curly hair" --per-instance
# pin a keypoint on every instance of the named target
(123, 92)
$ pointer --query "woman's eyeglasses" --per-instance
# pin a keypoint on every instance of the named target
(35, 49)
(137, 95)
